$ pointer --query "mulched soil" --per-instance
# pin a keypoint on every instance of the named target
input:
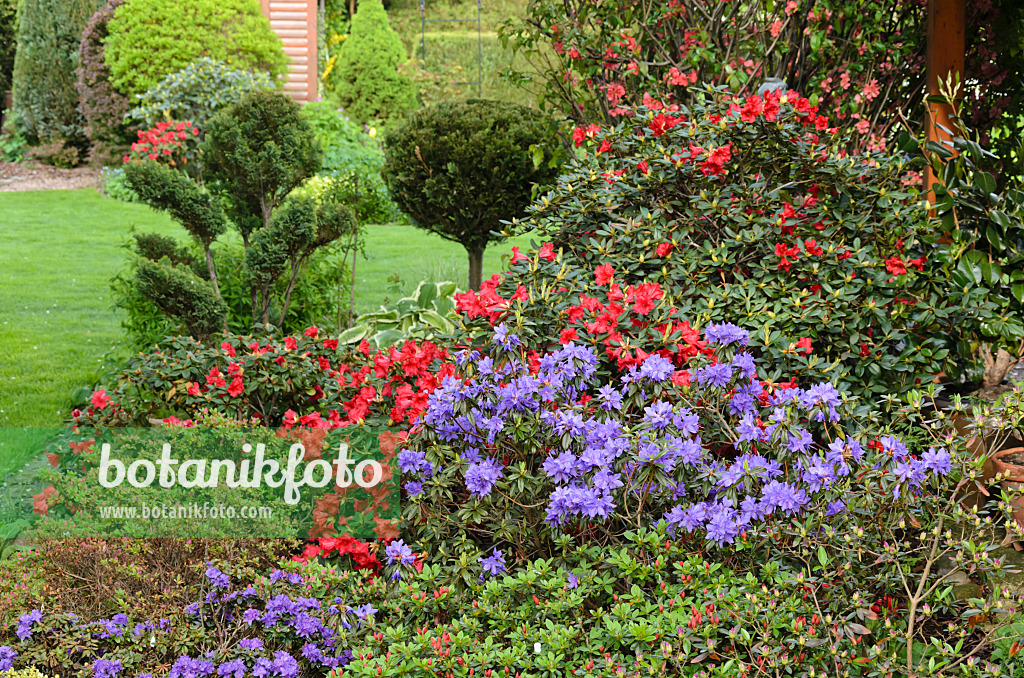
(37, 177)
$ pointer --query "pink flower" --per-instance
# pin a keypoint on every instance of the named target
(872, 90)
(615, 92)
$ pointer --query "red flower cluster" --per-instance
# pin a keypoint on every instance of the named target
(163, 142)
(325, 547)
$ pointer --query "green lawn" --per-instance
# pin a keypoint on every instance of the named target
(59, 249)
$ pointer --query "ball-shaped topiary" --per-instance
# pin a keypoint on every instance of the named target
(459, 169)
(45, 98)
(102, 106)
(149, 39)
(368, 85)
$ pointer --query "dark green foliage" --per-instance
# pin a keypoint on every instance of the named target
(179, 293)
(162, 188)
(368, 85)
(198, 212)
(102, 106)
(155, 247)
(45, 98)
(296, 230)
(150, 39)
(257, 151)
(459, 169)
(7, 44)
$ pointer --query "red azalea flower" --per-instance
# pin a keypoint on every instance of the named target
(895, 266)
(642, 166)
(236, 388)
(228, 348)
(567, 335)
(603, 274)
(290, 343)
(311, 332)
(99, 399)
(804, 346)
(665, 248)
(518, 256)
(547, 251)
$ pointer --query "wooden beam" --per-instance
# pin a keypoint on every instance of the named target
(945, 55)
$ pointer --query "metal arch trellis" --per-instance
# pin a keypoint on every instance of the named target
(479, 43)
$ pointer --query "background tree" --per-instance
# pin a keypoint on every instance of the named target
(459, 169)
(102, 106)
(368, 85)
(45, 98)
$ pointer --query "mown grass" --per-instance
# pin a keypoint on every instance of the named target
(57, 321)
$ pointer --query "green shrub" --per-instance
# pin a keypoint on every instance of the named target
(150, 39)
(8, 43)
(196, 93)
(368, 85)
(45, 98)
(351, 167)
(761, 220)
(179, 293)
(459, 169)
(257, 152)
(102, 106)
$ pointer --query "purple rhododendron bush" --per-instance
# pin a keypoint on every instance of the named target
(614, 467)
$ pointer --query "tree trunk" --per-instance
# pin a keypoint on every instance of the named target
(476, 267)
(212, 270)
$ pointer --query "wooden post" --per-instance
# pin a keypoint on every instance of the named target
(945, 55)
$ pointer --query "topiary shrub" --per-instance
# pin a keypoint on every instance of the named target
(102, 106)
(256, 153)
(196, 93)
(45, 97)
(150, 39)
(179, 293)
(368, 85)
(459, 169)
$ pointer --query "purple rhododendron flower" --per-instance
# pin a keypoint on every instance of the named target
(106, 668)
(217, 578)
(937, 460)
(725, 334)
(235, 669)
(480, 478)
(493, 564)
(715, 375)
(250, 644)
(186, 667)
(657, 368)
(7, 657)
(25, 622)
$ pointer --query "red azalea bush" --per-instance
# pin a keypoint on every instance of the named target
(303, 380)
(860, 60)
(749, 211)
(174, 143)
